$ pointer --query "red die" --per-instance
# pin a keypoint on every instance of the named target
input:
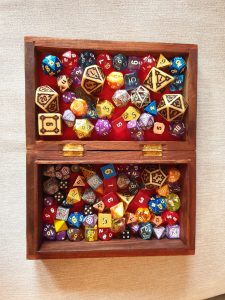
(148, 62)
(105, 234)
(104, 60)
(140, 200)
(110, 185)
(119, 124)
(49, 214)
(170, 217)
(69, 59)
(110, 199)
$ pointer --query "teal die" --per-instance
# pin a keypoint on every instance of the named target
(108, 171)
(178, 83)
(151, 108)
(178, 65)
(75, 219)
(51, 65)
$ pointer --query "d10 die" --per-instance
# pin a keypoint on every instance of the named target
(51, 65)
(49, 124)
(135, 130)
(153, 177)
(130, 218)
(89, 196)
(143, 215)
(104, 220)
(105, 109)
(103, 127)
(134, 63)
(173, 202)
(49, 214)
(146, 121)
(75, 235)
(62, 172)
(51, 186)
(121, 98)
(110, 199)
(156, 80)
(178, 65)
(93, 80)
(47, 99)
(104, 60)
(151, 108)
(120, 62)
(86, 58)
(115, 80)
(131, 81)
(118, 225)
(90, 220)
(125, 235)
(145, 231)
(69, 59)
(79, 107)
(61, 235)
(74, 196)
(172, 106)
(140, 97)
(158, 128)
(62, 213)
(83, 128)
(177, 128)
(75, 219)
(91, 234)
(49, 232)
(88, 210)
(159, 232)
(105, 234)
(162, 62)
(131, 113)
(117, 211)
(108, 171)
(156, 220)
(60, 225)
(64, 82)
(77, 74)
(110, 185)
(173, 232)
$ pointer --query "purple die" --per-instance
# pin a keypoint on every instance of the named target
(134, 63)
(61, 235)
(173, 231)
(49, 232)
(159, 232)
(77, 74)
(134, 227)
(90, 220)
(146, 121)
(48, 201)
(177, 128)
(103, 127)
(174, 187)
(136, 132)
(68, 97)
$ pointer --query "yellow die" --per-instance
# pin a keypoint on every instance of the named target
(93, 80)
(60, 225)
(115, 80)
(49, 124)
(126, 199)
(64, 82)
(87, 172)
(163, 62)
(91, 234)
(117, 211)
(74, 196)
(105, 109)
(131, 113)
(158, 128)
(157, 80)
(83, 128)
(104, 220)
(47, 99)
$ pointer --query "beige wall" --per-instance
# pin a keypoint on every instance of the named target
(195, 277)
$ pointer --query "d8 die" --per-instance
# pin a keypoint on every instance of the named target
(64, 82)
(73, 196)
(125, 235)
(120, 62)
(88, 210)
(103, 127)
(121, 98)
(47, 99)
(51, 65)
(93, 80)
(60, 225)
(104, 60)
(173, 232)
(140, 97)
(159, 232)
(178, 65)
(131, 81)
(62, 213)
(69, 59)
(133, 187)
(75, 219)
(49, 232)
(86, 58)
(134, 63)
(145, 231)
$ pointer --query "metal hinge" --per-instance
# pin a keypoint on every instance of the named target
(152, 150)
(73, 150)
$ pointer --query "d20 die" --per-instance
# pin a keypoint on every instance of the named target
(83, 128)
(110, 185)
(158, 128)
(117, 211)
(108, 171)
(74, 196)
(133, 187)
(49, 232)
(146, 121)
(95, 182)
(131, 113)
(86, 58)
(75, 234)
(134, 63)
(157, 204)
(140, 97)
(151, 108)
(69, 118)
(177, 128)
(91, 234)
(99, 206)
(60, 225)
(178, 65)
(170, 217)
(89, 196)
(153, 177)
(173, 202)
(125, 235)
(105, 234)
(93, 80)
(105, 109)
(159, 232)
(120, 62)
(172, 106)
(62, 213)
(119, 125)
(75, 219)
(156, 80)
(121, 98)
(131, 81)
(173, 232)
(51, 65)
(162, 62)
(69, 59)
(115, 80)
(110, 199)
(88, 210)
(145, 231)
(49, 124)
(103, 127)
(90, 220)
(47, 99)
(104, 60)
(118, 225)
(79, 107)
(104, 220)
(64, 82)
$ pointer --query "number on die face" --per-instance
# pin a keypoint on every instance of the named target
(140, 200)
(158, 128)
(110, 199)
(110, 185)
(119, 124)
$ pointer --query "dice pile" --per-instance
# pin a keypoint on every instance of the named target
(134, 81)
(102, 202)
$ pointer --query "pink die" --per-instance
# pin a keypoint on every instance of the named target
(103, 127)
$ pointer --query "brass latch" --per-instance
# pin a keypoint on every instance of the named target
(73, 150)
(152, 150)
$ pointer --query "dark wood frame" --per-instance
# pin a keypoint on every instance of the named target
(49, 152)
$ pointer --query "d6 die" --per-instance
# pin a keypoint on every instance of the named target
(125, 235)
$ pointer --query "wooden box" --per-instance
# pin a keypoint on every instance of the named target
(163, 150)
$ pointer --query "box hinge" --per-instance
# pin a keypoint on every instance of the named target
(152, 150)
(73, 150)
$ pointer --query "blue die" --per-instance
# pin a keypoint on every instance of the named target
(145, 231)
(86, 59)
(157, 204)
(178, 65)
(151, 108)
(131, 81)
(108, 171)
(177, 84)
(75, 219)
(120, 62)
(51, 65)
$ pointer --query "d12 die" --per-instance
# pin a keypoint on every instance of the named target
(110, 199)
(108, 171)
(131, 81)
(47, 99)
(173, 175)
(49, 124)
(156, 220)
(134, 63)
(121, 98)
(64, 82)
(120, 62)
(177, 84)
(104, 220)
(110, 185)
(145, 231)
(62, 213)
(105, 234)
(49, 232)
(79, 107)
(69, 59)
(75, 234)
(75, 219)
(178, 65)
(151, 108)
(93, 80)
(86, 58)
(104, 60)
(115, 80)
(173, 232)
(133, 187)
(51, 65)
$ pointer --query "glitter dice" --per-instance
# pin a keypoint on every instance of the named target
(51, 65)
(103, 127)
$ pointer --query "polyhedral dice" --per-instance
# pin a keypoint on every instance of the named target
(119, 125)
(62, 213)
(64, 82)
(74, 196)
(125, 199)
(65, 204)
(48, 201)
(125, 235)
(83, 128)
(140, 97)
(49, 214)
(75, 219)
(68, 97)
(177, 128)
(139, 200)
(49, 124)
(173, 232)
(110, 185)
(77, 74)
(131, 113)
(69, 59)
(91, 111)
(51, 186)
(91, 234)
(86, 58)
(157, 204)
(177, 84)
(88, 196)
(174, 187)
(143, 214)
(117, 211)
(118, 225)
(172, 202)
(146, 121)
(123, 181)
(75, 234)
(133, 171)
(151, 108)
(121, 98)
(158, 128)
(134, 63)
(61, 235)
(156, 220)
(131, 81)
(133, 187)
(105, 234)
(130, 218)
(145, 231)
(47, 99)
(79, 107)
(108, 171)
(110, 199)
(49, 170)
(51, 65)
(104, 220)
(104, 60)
(105, 109)
(88, 210)
(60, 225)
(95, 182)
(59, 196)
(120, 62)
(103, 127)
(79, 181)
(93, 80)
(115, 80)
(136, 132)
(87, 172)
(49, 232)
(170, 217)
(178, 65)
(156, 80)
(75, 168)
(90, 220)
(163, 190)
(172, 106)
(162, 62)
(173, 175)
(134, 227)
(99, 206)
(62, 172)
(153, 177)
(69, 118)
(148, 62)
(159, 232)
